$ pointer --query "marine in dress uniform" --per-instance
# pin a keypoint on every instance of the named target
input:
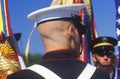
(55, 25)
(103, 54)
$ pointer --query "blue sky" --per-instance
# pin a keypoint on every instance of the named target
(104, 14)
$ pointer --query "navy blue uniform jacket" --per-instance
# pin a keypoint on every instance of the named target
(64, 64)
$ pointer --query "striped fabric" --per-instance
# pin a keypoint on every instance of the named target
(91, 33)
(88, 21)
(117, 3)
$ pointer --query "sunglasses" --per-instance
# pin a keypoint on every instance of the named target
(102, 53)
(104, 50)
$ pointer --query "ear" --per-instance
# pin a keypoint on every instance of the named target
(70, 30)
(93, 58)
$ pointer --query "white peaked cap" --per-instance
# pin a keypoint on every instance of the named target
(51, 13)
(55, 12)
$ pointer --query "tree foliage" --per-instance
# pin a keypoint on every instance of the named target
(32, 59)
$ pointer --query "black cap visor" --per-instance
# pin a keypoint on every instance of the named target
(104, 50)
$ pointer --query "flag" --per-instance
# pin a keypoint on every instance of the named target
(91, 32)
(10, 58)
(67, 2)
(89, 24)
(117, 3)
(88, 21)
(56, 2)
(1, 23)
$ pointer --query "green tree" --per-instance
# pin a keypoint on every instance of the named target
(32, 59)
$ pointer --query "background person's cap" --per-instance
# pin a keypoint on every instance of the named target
(103, 44)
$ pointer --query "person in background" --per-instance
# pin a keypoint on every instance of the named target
(61, 32)
(103, 56)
